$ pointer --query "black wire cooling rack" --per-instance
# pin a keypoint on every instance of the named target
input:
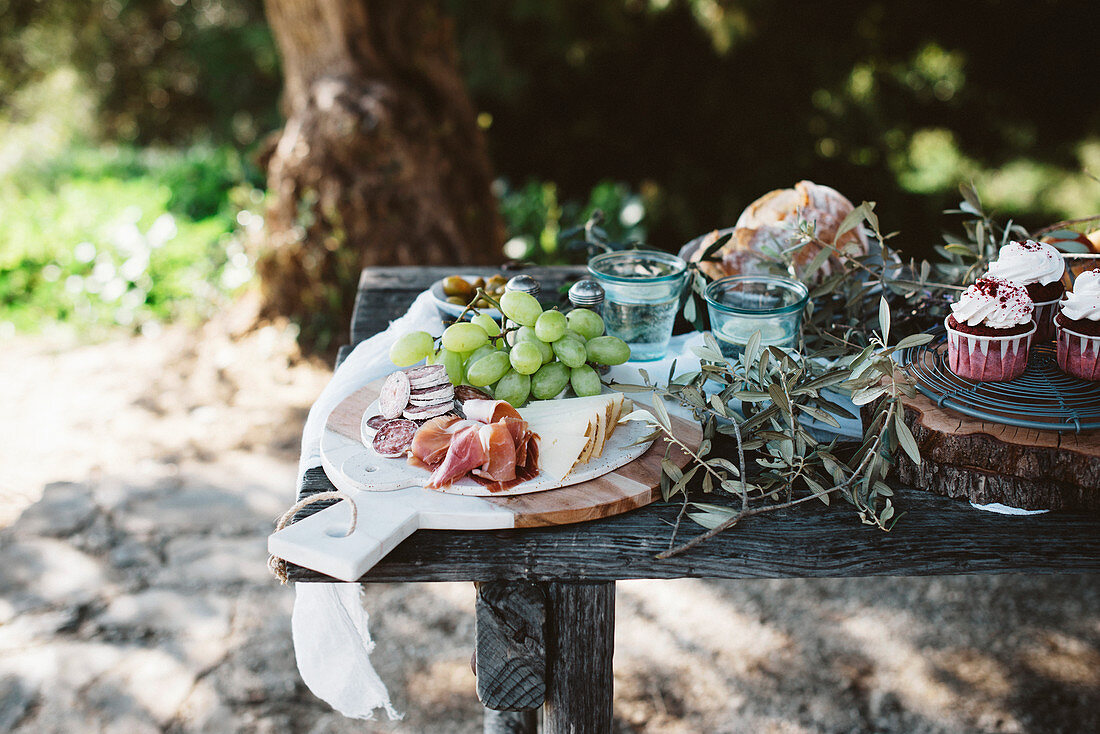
(1043, 397)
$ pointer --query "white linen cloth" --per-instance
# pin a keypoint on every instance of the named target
(332, 642)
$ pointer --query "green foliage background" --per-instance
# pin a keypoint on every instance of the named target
(671, 115)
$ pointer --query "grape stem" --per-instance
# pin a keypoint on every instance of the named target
(478, 296)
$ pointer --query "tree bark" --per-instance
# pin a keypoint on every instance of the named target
(381, 160)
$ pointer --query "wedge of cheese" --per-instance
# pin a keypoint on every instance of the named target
(558, 454)
(573, 431)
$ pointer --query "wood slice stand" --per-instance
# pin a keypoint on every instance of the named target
(987, 462)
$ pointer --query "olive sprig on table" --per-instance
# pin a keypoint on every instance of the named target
(538, 356)
(781, 460)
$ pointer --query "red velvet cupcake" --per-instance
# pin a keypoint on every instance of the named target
(989, 331)
(1078, 326)
(1040, 268)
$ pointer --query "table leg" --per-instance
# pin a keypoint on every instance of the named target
(580, 642)
(510, 654)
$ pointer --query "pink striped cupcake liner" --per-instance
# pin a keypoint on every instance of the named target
(1044, 314)
(1079, 354)
(988, 358)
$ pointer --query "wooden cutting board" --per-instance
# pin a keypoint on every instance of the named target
(386, 518)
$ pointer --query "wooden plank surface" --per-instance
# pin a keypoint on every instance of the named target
(580, 644)
(938, 536)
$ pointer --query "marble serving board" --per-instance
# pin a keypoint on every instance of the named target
(385, 518)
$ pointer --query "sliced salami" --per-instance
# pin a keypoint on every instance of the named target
(372, 424)
(439, 398)
(426, 371)
(424, 392)
(431, 385)
(428, 376)
(394, 397)
(422, 413)
(434, 393)
(469, 392)
(430, 403)
(394, 438)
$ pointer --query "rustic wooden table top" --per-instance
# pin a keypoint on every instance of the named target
(937, 536)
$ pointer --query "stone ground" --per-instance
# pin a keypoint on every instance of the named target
(140, 479)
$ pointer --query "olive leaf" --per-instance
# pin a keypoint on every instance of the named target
(905, 438)
(884, 319)
(708, 253)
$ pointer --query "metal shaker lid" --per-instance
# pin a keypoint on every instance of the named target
(586, 294)
(524, 283)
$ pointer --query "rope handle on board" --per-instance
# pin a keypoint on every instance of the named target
(278, 565)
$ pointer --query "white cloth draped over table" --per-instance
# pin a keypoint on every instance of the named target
(331, 638)
(332, 642)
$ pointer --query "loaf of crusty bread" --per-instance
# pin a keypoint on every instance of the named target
(772, 222)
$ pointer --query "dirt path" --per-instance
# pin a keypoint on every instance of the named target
(140, 480)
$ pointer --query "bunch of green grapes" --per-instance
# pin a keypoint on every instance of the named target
(542, 354)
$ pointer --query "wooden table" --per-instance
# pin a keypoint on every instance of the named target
(546, 596)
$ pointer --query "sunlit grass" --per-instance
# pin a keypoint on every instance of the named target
(122, 237)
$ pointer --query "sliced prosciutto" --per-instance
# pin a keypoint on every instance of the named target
(489, 411)
(466, 452)
(501, 450)
(492, 446)
(430, 444)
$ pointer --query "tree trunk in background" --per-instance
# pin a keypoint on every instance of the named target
(381, 160)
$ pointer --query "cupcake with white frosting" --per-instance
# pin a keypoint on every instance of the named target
(1078, 323)
(989, 331)
(1040, 268)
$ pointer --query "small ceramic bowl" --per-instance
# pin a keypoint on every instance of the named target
(453, 310)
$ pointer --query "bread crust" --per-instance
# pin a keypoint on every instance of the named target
(772, 223)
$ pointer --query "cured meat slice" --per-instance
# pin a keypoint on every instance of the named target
(500, 450)
(372, 424)
(428, 375)
(394, 438)
(427, 370)
(435, 391)
(469, 392)
(424, 412)
(464, 453)
(516, 426)
(431, 442)
(394, 397)
(529, 469)
(489, 411)
(432, 395)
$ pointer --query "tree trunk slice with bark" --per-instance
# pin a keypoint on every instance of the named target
(381, 160)
(988, 462)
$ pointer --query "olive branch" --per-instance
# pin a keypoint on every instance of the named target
(775, 405)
